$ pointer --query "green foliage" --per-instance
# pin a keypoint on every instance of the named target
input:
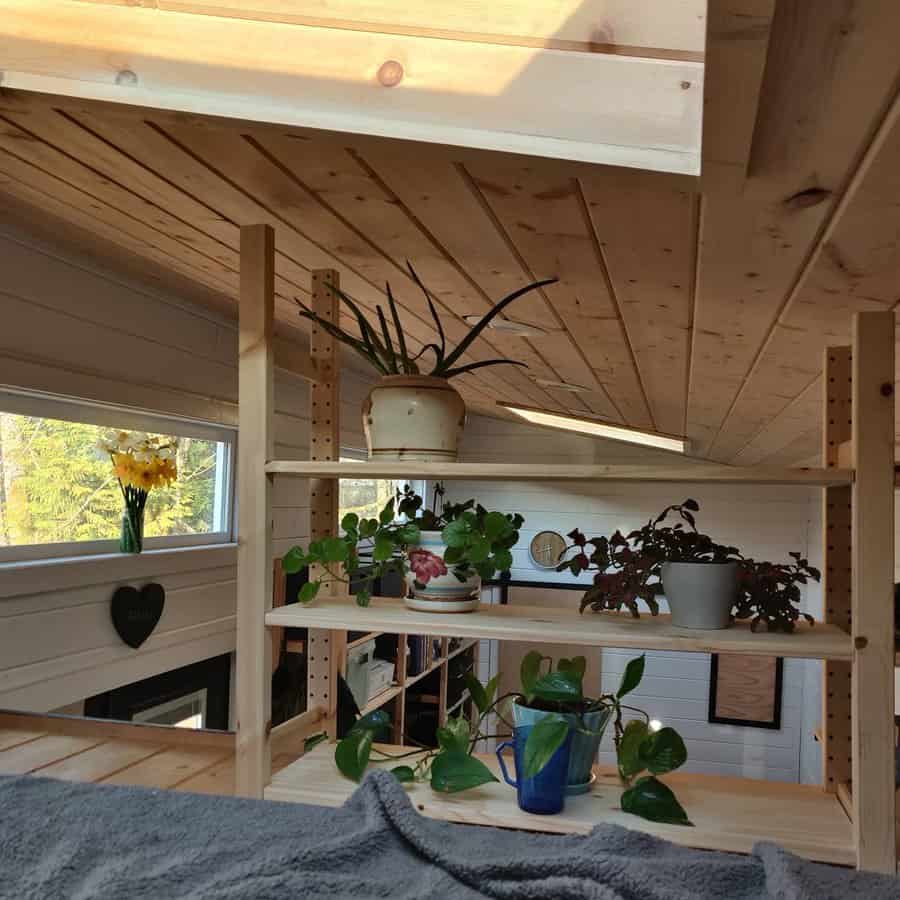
(477, 541)
(339, 555)
(560, 691)
(454, 736)
(632, 676)
(453, 771)
(376, 344)
(352, 753)
(544, 739)
(55, 486)
(650, 799)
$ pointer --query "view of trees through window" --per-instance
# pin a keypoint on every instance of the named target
(364, 496)
(56, 486)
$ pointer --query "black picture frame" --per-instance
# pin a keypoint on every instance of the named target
(773, 725)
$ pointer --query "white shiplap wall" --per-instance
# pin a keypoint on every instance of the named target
(764, 521)
(72, 329)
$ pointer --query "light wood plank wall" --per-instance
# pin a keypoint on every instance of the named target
(69, 327)
(764, 522)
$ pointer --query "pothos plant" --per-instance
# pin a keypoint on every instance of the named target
(641, 752)
(451, 767)
(339, 555)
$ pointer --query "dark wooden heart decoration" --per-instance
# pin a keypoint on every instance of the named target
(136, 612)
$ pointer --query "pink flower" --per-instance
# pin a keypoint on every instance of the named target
(426, 565)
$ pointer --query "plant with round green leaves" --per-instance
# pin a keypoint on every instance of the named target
(478, 541)
(639, 749)
(339, 555)
(389, 354)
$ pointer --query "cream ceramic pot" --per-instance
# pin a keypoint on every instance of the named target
(442, 593)
(413, 417)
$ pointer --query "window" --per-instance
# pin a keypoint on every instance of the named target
(367, 496)
(58, 493)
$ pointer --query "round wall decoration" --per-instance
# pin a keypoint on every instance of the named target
(546, 548)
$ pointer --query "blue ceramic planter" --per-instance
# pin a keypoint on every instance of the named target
(545, 793)
(584, 747)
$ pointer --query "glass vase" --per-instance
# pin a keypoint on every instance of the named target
(131, 539)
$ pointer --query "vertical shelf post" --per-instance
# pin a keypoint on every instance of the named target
(836, 555)
(872, 685)
(253, 664)
(325, 657)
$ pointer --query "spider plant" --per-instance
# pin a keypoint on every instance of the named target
(389, 353)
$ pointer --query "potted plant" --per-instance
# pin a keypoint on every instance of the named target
(559, 693)
(458, 546)
(451, 766)
(443, 561)
(769, 593)
(697, 575)
(413, 413)
(140, 463)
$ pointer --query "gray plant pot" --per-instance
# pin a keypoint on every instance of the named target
(700, 595)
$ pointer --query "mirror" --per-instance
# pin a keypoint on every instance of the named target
(546, 548)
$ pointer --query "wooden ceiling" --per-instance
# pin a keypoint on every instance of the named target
(697, 307)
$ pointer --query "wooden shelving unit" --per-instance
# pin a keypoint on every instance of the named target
(856, 637)
(398, 691)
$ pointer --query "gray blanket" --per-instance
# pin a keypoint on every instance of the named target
(63, 840)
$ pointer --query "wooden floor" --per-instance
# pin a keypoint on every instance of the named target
(117, 753)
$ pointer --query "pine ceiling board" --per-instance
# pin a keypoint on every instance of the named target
(237, 159)
(110, 255)
(37, 187)
(804, 447)
(856, 268)
(546, 221)
(648, 238)
(37, 114)
(47, 165)
(345, 186)
(760, 232)
(800, 416)
(150, 149)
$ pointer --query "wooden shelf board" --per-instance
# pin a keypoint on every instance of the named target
(412, 679)
(465, 645)
(458, 703)
(380, 699)
(565, 626)
(729, 814)
(683, 473)
(371, 636)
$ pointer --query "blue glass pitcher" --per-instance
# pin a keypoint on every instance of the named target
(545, 793)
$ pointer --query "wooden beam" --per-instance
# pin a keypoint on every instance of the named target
(837, 555)
(295, 74)
(326, 648)
(255, 446)
(635, 27)
(873, 591)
